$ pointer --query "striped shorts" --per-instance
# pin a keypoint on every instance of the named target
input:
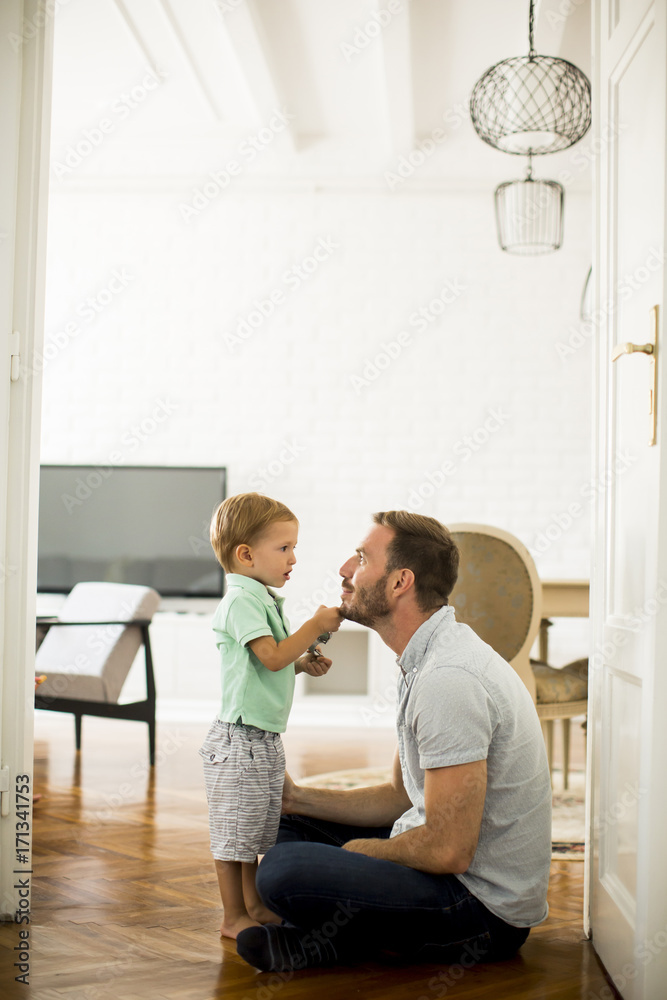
(244, 771)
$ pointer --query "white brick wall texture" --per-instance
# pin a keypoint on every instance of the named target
(284, 333)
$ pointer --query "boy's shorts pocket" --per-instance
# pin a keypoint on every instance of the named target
(217, 746)
(213, 755)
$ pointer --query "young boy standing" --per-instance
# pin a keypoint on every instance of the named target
(254, 538)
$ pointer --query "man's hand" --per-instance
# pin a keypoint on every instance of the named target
(315, 666)
(377, 805)
(365, 846)
(446, 843)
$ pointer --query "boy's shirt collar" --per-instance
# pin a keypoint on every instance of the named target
(254, 587)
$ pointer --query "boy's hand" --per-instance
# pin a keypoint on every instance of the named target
(327, 619)
(316, 666)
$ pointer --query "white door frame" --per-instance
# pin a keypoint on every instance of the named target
(26, 36)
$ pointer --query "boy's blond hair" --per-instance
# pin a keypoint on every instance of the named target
(240, 520)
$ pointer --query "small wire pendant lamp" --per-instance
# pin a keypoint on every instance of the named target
(530, 106)
(529, 215)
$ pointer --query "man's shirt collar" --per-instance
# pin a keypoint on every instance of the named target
(413, 655)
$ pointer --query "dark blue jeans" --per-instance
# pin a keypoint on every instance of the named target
(371, 908)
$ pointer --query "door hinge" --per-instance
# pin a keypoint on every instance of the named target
(15, 355)
(4, 790)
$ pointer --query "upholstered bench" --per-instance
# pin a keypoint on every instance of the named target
(561, 693)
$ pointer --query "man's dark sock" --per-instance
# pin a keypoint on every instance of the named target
(275, 948)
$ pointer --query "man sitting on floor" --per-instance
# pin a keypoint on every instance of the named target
(449, 861)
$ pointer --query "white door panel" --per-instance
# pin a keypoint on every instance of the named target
(628, 711)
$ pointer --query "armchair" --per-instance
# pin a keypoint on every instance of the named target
(499, 595)
(88, 650)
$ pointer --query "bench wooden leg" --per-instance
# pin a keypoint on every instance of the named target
(566, 754)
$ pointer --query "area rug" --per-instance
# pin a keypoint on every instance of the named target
(567, 827)
(568, 817)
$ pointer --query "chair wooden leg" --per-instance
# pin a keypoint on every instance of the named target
(548, 733)
(77, 730)
(151, 742)
(566, 753)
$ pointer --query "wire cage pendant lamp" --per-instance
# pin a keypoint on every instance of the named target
(530, 106)
(529, 215)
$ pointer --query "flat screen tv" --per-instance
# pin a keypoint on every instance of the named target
(129, 524)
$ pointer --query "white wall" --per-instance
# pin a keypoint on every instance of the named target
(159, 340)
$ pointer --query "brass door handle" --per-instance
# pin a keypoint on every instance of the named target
(651, 349)
(628, 348)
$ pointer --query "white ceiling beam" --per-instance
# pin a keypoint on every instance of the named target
(191, 61)
(396, 60)
(136, 35)
(243, 26)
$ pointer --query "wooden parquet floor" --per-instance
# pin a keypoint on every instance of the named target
(125, 901)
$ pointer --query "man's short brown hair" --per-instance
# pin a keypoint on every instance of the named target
(425, 546)
(240, 520)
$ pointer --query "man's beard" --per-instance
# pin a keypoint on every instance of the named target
(370, 604)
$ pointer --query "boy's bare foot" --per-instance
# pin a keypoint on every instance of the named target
(230, 928)
(262, 915)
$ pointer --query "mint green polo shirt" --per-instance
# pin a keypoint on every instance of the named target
(251, 692)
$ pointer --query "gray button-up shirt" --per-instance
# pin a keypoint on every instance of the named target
(459, 702)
